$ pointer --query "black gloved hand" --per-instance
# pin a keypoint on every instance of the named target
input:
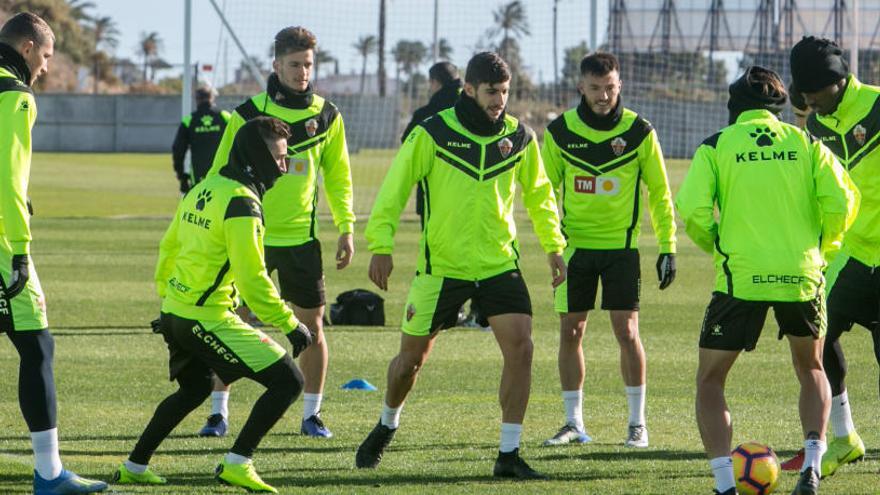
(665, 269)
(156, 325)
(19, 276)
(185, 184)
(300, 338)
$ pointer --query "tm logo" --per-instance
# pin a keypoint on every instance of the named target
(203, 199)
(763, 136)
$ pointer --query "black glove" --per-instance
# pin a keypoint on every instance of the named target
(300, 338)
(665, 269)
(156, 325)
(185, 184)
(19, 276)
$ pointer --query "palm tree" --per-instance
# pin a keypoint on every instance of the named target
(380, 73)
(365, 46)
(105, 35)
(444, 49)
(149, 47)
(409, 55)
(322, 57)
(510, 19)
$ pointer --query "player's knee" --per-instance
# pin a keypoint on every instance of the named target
(628, 337)
(572, 332)
(521, 351)
(409, 364)
(284, 378)
(36, 350)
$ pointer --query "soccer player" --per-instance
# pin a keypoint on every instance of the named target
(26, 45)
(601, 153)
(213, 248)
(199, 132)
(468, 158)
(846, 118)
(316, 148)
(768, 253)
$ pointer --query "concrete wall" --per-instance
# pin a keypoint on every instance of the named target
(145, 123)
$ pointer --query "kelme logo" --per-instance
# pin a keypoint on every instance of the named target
(763, 136)
(207, 120)
(203, 199)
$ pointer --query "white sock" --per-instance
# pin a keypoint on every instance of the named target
(574, 408)
(841, 416)
(236, 459)
(220, 403)
(510, 435)
(635, 396)
(135, 467)
(47, 461)
(311, 404)
(391, 416)
(722, 469)
(813, 450)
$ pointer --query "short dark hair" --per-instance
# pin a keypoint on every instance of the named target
(486, 67)
(294, 39)
(766, 82)
(443, 72)
(26, 27)
(599, 64)
(271, 128)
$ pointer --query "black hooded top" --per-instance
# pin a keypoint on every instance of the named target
(250, 161)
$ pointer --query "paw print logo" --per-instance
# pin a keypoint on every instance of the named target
(763, 136)
(203, 199)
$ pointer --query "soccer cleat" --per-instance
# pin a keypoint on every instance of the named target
(638, 437)
(216, 426)
(842, 450)
(371, 449)
(242, 475)
(808, 484)
(795, 463)
(314, 427)
(123, 476)
(568, 434)
(67, 483)
(511, 465)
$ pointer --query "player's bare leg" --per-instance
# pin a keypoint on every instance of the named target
(313, 363)
(713, 415)
(571, 376)
(633, 369)
(814, 406)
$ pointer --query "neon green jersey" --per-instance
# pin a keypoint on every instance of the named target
(317, 145)
(469, 183)
(852, 133)
(213, 247)
(778, 193)
(600, 174)
(18, 112)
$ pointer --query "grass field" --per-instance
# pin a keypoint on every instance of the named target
(97, 225)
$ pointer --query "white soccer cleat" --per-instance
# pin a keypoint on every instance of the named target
(637, 438)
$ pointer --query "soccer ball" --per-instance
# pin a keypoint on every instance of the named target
(756, 468)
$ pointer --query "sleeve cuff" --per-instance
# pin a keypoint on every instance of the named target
(667, 247)
(289, 325)
(20, 247)
(346, 228)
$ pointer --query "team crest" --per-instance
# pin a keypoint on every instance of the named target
(410, 311)
(859, 133)
(618, 145)
(505, 146)
(311, 127)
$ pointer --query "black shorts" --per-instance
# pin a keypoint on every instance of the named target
(854, 297)
(433, 302)
(732, 324)
(230, 347)
(619, 271)
(300, 273)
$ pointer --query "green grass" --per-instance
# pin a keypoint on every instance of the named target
(99, 219)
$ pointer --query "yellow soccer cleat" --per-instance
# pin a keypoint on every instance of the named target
(243, 475)
(123, 476)
(842, 450)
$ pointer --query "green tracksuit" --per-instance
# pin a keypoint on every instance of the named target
(213, 248)
(317, 145)
(18, 112)
(784, 202)
(469, 183)
(600, 174)
(852, 133)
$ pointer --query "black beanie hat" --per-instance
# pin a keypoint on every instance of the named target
(251, 155)
(816, 63)
(745, 96)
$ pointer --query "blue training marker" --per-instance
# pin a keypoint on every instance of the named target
(360, 384)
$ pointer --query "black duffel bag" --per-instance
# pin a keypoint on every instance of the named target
(358, 307)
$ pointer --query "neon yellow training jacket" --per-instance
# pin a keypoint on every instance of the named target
(784, 201)
(469, 183)
(213, 247)
(18, 112)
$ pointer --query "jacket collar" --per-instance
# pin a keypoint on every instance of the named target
(285, 97)
(11, 60)
(755, 114)
(849, 101)
(600, 122)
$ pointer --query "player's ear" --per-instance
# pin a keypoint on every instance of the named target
(276, 65)
(25, 47)
(470, 90)
(580, 85)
